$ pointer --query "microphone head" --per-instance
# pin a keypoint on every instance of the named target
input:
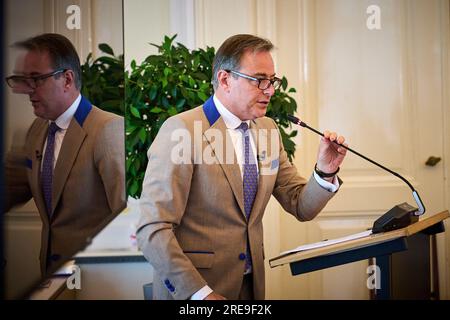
(293, 119)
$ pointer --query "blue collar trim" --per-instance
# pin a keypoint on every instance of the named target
(210, 110)
(83, 110)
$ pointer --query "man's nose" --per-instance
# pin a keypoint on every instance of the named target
(270, 91)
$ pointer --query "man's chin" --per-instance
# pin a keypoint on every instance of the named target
(37, 112)
(261, 112)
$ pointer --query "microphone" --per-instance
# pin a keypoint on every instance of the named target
(401, 215)
(38, 155)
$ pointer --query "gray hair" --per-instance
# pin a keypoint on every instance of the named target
(230, 53)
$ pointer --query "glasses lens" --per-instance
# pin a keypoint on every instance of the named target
(20, 84)
(277, 84)
(15, 82)
(264, 84)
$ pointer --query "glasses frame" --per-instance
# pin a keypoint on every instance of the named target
(33, 84)
(259, 80)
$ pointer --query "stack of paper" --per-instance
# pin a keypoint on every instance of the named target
(326, 243)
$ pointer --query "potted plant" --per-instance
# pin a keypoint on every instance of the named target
(172, 81)
(103, 80)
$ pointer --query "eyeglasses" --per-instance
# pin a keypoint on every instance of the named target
(32, 82)
(263, 83)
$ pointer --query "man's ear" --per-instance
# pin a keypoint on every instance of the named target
(69, 79)
(223, 79)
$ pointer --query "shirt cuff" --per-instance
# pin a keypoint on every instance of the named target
(201, 294)
(331, 187)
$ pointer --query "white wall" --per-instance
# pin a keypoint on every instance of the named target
(107, 25)
(144, 22)
(445, 10)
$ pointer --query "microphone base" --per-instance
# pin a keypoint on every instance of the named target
(400, 216)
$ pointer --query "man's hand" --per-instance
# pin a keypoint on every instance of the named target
(330, 155)
(214, 296)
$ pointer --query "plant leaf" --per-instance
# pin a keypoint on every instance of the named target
(106, 48)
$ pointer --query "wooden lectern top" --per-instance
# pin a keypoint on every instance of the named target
(420, 225)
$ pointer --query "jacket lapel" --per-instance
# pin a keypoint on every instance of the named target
(232, 170)
(36, 161)
(70, 147)
(260, 137)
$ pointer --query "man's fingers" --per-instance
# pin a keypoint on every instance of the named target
(342, 150)
(333, 136)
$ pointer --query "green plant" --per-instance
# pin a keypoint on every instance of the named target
(103, 80)
(173, 81)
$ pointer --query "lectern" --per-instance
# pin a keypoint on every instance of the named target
(414, 240)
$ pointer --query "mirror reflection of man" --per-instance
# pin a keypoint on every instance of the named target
(72, 163)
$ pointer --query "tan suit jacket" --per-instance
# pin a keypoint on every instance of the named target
(193, 228)
(88, 181)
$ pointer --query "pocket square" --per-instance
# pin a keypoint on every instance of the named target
(275, 163)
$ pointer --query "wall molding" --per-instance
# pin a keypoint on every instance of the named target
(445, 54)
(183, 22)
(55, 21)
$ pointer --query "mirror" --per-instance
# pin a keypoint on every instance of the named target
(85, 171)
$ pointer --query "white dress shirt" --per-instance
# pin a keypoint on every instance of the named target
(232, 123)
(63, 122)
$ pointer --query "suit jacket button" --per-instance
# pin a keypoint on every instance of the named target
(242, 256)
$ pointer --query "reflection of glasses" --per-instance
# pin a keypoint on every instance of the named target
(263, 83)
(22, 82)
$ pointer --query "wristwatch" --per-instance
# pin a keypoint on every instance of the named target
(324, 174)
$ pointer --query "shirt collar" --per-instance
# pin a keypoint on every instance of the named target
(230, 119)
(63, 121)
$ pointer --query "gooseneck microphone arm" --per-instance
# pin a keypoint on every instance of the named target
(416, 196)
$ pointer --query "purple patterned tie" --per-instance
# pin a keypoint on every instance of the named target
(250, 181)
(47, 167)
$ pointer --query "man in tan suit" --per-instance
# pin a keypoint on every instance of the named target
(73, 159)
(210, 174)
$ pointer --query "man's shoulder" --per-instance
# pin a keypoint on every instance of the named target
(98, 119)
(102, 115)
(192, 114)
(187, 118)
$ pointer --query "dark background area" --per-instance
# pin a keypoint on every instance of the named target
(2, 26)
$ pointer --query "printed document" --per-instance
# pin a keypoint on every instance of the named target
(327, 242)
